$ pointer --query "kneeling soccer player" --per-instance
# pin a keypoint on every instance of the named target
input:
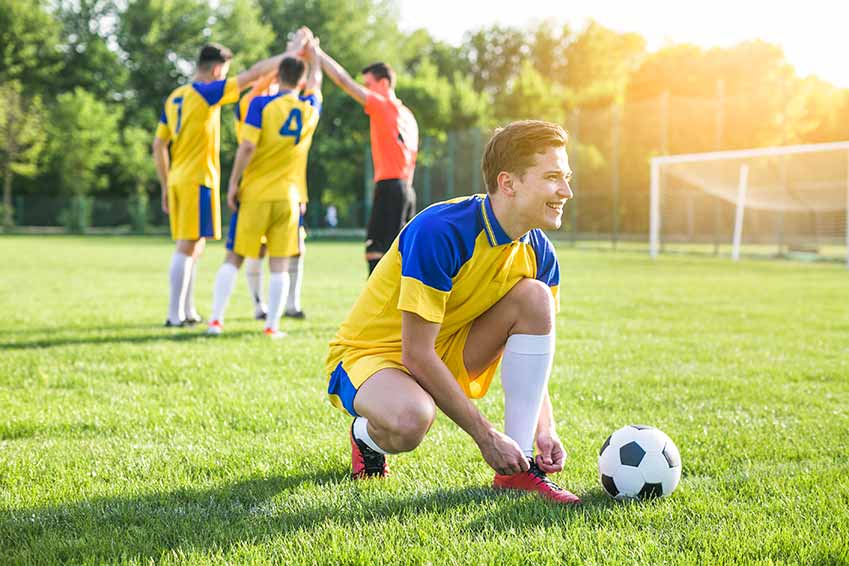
(467, 284)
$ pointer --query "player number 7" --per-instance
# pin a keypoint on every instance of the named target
(293, 125)
(179, 102)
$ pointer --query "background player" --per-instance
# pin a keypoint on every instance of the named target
(467, 282)
(189, 173)
(271, 163)
(394, 144)
(253, 266)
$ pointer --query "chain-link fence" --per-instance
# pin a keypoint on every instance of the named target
(610, 148)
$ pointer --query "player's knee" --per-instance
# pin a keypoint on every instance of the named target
(411, 424)
(535, 306)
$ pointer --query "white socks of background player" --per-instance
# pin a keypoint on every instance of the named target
(361, 433)
(190, 311)
(525, 369)
(179, 276)
(296, 271)
(278, 286)
(225, 280)
(253, 273)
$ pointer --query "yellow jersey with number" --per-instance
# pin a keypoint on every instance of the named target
(191, 121)
(282, 127)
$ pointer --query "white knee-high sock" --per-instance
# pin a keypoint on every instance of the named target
(296, 272)
(525, 369)
(225, 280)
(361, 433)
(178, 276)
(278, 286)
(253, 273)
(190, 310)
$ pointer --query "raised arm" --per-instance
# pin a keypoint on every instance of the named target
(342, 79)
(419, 356)
(270, 65)
(313, 58)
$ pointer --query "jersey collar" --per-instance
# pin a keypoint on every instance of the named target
(495, 234)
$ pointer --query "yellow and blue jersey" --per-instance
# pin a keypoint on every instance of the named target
(191, 121)
(449, 265)
(282, 127)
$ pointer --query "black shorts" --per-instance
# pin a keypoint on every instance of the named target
(394, 205)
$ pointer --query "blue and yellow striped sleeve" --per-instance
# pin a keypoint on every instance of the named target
(548, 268)
(163, 132)
(429, 262)
(218, 92)
(252, 128)
(313, 98)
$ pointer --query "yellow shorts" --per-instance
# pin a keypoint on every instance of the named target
(277, 220)
(348, 368)
(194, 212)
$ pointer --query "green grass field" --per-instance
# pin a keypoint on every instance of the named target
(125, 442)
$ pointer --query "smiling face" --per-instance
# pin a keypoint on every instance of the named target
(540, 194)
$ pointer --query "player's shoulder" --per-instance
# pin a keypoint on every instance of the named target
(540, 241)
(213, 91)
(454, 222)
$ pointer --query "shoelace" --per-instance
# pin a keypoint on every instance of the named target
(540, 475)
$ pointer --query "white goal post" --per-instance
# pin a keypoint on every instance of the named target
(776, 200)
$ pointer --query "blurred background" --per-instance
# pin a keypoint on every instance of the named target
(83, 82)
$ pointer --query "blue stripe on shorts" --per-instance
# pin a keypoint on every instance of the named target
(231, 232)
(205, 204)
(341, 386)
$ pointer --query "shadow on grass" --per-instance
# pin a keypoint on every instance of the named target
(165, 335)
(252, 511)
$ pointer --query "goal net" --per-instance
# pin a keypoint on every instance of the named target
(778, 201)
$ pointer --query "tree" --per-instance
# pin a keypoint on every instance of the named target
(161, 40)
(83, 140)
(22, 138)
(91, 59)
(28, 45)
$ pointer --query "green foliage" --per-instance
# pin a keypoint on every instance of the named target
(88, 27)
(239, 26)
(29, 38)
(22, 139)
(83, 139)
(531, 96)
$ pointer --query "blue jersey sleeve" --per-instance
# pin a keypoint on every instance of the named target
(211, 92)
(428, 254)
(548, 268)
(254, 117)
(312, 100)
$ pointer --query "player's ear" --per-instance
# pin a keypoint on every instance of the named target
(505, 183)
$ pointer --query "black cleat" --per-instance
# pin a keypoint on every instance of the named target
(193, 320)
(295, 314)
(169, 324)
(365, 462)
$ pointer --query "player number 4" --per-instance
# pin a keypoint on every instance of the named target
(293, 125)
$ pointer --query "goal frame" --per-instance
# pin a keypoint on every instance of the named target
(655, 184)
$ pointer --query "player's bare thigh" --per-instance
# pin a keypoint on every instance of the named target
(399, 411)
(528, 308)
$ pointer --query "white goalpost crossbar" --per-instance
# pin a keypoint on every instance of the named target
(772, 192)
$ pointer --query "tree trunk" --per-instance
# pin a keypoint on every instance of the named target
(7, 195)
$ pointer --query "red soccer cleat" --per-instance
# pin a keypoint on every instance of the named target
(536, 480)
(365, 462)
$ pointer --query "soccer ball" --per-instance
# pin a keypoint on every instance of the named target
(639, 462)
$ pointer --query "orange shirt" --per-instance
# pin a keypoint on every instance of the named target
(394, 137)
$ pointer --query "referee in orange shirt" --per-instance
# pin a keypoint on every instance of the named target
(394, 145)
